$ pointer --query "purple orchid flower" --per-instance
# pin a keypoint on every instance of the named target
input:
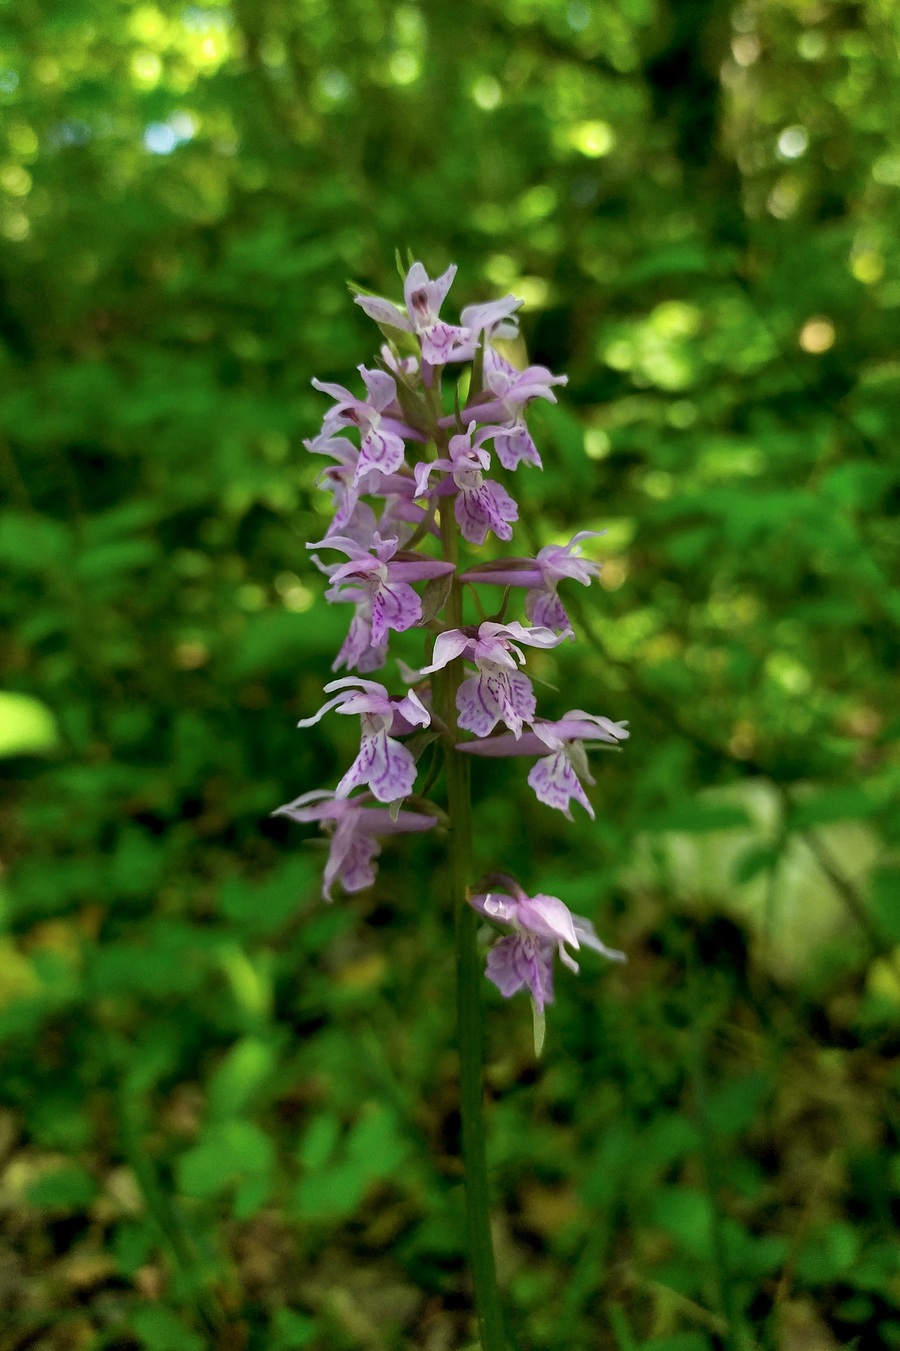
(542, 575)
(512, 391)
(354, 828)
(387, 767)
(381, 433)
(440, 342)
(343, 481)
(524, 958)
(499, 692)
(379, 584)
(494, 319)
(556, 778)
(481, 505)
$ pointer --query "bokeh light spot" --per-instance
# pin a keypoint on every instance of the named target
(578, 15)
(486, 93)
(146, 68)
(886, 170)
(867, 266)
(159, 138)
(817, 335)
(190, 655)
(593, 139)
(15, 180)
(404, 68)
(614, 573)
(597, 444)
(681, 414)
(745, 49)
(812, 45)
(793, 142)
(334, 85)
(16, 227)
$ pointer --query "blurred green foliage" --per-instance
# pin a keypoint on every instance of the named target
(229, 1111)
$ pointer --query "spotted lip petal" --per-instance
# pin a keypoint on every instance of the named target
(484, 507)
(555, 783)
(515, 445)
(378, 584)
(546, 609)
(518, 962)
(494, 696)
(384, 765)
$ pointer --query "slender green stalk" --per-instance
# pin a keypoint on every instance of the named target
(468, 988)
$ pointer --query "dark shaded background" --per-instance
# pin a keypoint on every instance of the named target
(228, 1111)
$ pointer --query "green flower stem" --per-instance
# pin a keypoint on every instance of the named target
(468, 984)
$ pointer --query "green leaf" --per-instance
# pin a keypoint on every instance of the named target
(735, 1106)
(375, 1144)
(160, 1330)
(68, 1188)
(291, 1331)
(756, 859)
(331, 1194)
(434, 596)
(319, 1141)
(838, 804)
(33, 543)
(828, 1254)
(132, 1244)
(238, 1078)
(266, 905)
(686, 1214)
(111, 560)
(885, 901)
(697, 817)
(251, 1195)
(226, 1152)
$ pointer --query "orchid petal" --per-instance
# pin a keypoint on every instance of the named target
(548, 917)
(516, 962)
(380, 387)
(587, 936)
(383, 312)
(387, 767)
(380, 450)
(316, 717)
(555, 783)
(447, 647)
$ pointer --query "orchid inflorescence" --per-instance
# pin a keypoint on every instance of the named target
(414, 464)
